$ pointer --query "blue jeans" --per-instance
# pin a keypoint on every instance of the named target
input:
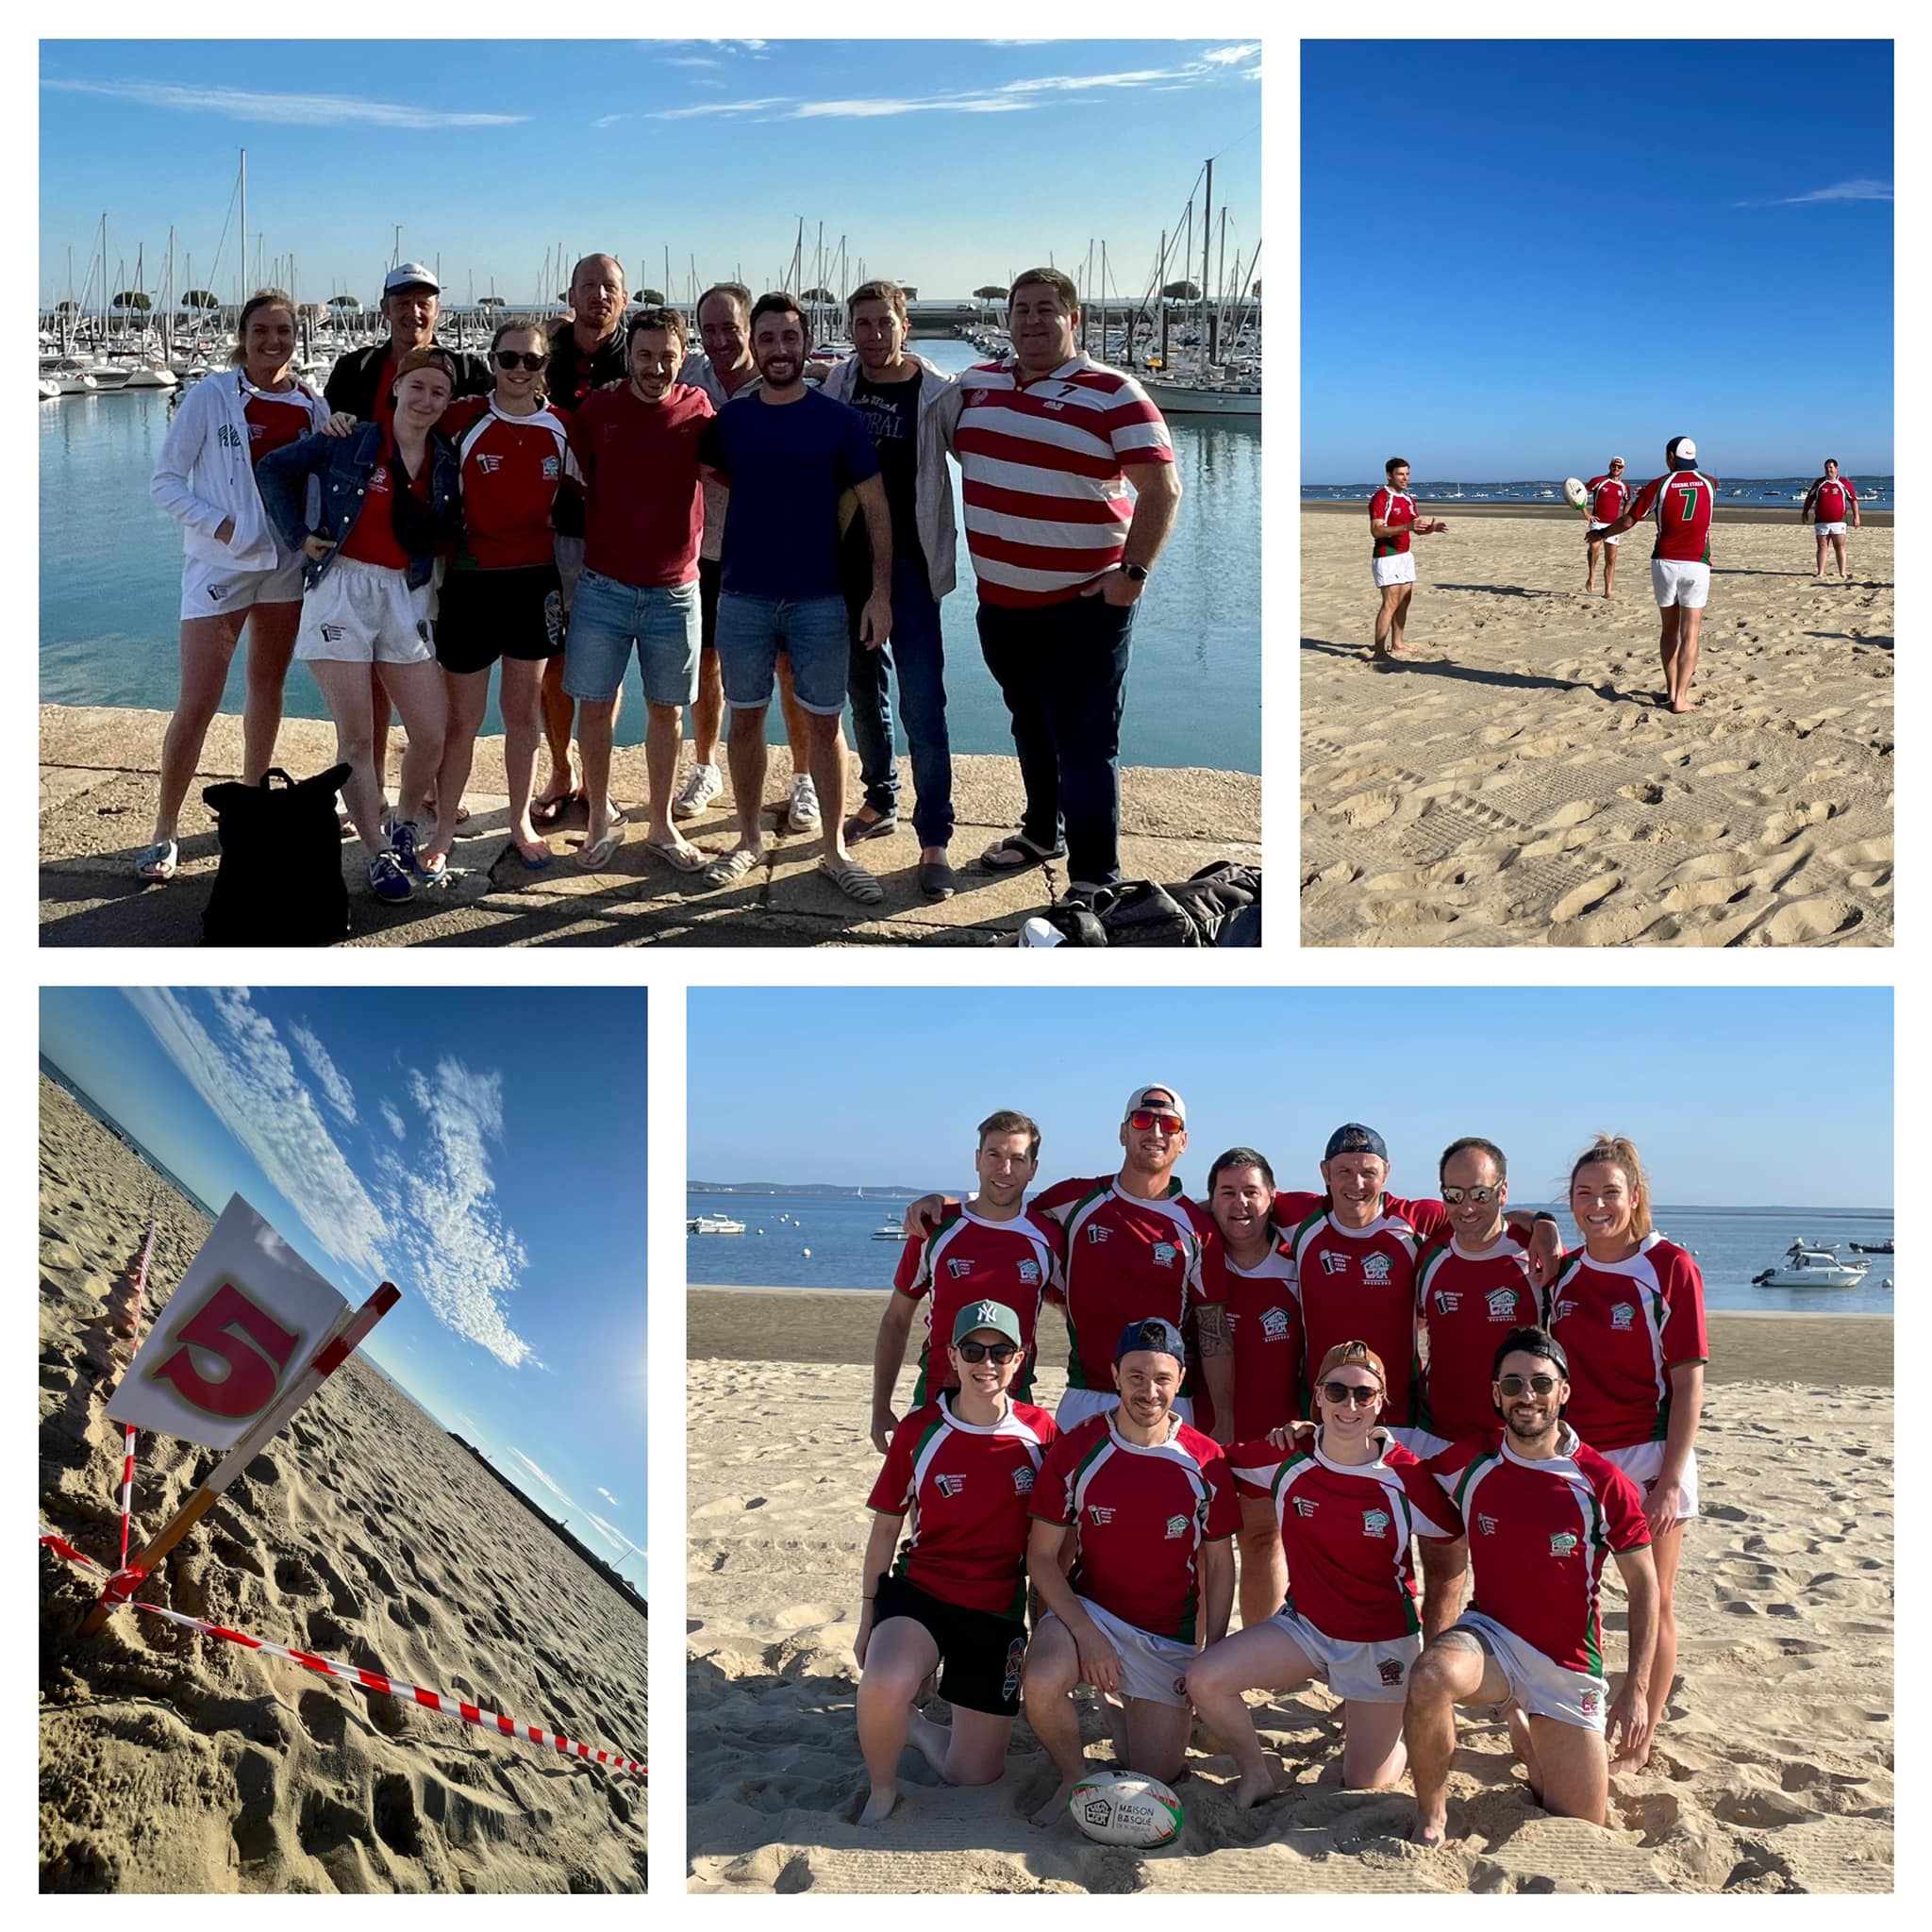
(815, 633)
(607, 617)
(1062, 669)
(917, 650)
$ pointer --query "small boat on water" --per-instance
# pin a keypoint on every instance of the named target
(1871, 1247)
(1808, 1265)
(713, 1224)
(888, 1231)
(50, 390)
(1232, 398)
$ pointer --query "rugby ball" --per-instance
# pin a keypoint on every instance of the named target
(1574, 494)
(1122, 1807)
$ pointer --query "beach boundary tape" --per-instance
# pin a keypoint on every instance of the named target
(369, 1680)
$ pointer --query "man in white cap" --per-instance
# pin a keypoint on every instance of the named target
(1609, 493)
(1681, 501)
(360, 383)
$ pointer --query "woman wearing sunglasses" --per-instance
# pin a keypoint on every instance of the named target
(1348, 1497)
(501, 595)
(1628, 1310)
(959, 1474)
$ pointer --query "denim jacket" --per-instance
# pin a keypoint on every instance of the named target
(343, 464)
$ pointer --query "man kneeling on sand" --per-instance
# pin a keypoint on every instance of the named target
(1150, 1506)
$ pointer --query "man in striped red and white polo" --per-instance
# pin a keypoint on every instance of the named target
(1070, 492)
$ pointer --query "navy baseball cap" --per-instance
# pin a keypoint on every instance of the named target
(1161, 1335)
(1681, 453)
(1356, 1139)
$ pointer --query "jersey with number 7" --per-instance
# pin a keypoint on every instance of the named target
(1682, 503)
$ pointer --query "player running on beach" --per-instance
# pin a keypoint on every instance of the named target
(1392, 523)
(1827, 501)
(1681, 501)
(1609, 493)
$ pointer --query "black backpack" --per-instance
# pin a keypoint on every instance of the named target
(1220, 906)
(280, 881)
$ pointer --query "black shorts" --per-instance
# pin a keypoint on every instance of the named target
(485, 614)
(980, 1654)
(710, 577)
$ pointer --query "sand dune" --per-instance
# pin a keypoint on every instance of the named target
(1774, 1774)
(171, 1761)
(1517, 783)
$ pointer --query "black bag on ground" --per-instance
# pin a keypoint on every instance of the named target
(1220, 906)
(280, 881)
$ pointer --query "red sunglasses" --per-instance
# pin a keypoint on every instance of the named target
(1142, 1118)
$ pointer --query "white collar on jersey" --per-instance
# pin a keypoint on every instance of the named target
(1568, 1442)
(1378, 1466)
(959, 1422)
(1502, 1245)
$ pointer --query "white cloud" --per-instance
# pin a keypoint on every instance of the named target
(329, 1076)
(613, 1535)
(1233, 57)
(1009, 97)
(690, 60)
(714, 107)
(1842, 190)
(288, 110)
(249, 1082)
(393, 1118)
(609, 1498)
(561, 1494)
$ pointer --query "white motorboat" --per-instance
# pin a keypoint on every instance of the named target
(151, 375)
(50, 390)
(888, 1231)
(1204, 398)
(1808, 1265)
(713, 1224)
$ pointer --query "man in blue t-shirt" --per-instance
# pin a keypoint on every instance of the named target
(790, 459)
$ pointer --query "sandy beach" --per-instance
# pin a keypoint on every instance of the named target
(1517, 782)
(1774, 1771)
(173, 1762)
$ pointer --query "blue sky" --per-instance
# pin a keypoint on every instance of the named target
(1537, 1071)
(483, 1149)
(1519, 256)
(945, 163)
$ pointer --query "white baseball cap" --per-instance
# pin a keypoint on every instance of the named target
(1139, 1098)
(410, 275)
(1681, 452)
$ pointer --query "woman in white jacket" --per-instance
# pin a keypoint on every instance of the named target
(235, 570)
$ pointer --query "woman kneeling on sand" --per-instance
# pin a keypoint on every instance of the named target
(963, 1469)
(1347, 1497)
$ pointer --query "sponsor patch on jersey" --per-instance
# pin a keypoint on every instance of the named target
(1390, 1670)
(1274, 1325)
(1447, 1301)
(1096, 1232)
(1333, 1263)
(1023, 1479)
(551, 469)
(490, 464)
(1030, 1273)
(1101, 1514)
(1375, 1270)
(959, 1265)
(1176, 1526)
(1164, 1252)
(949, 1484)
(1564, 1542)
(1622, 1315)
(1374, 1521)
(1501, 1304)
(1562, 1312)
(1487, 1524)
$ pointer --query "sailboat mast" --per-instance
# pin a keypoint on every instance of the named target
(1206, 249)
(241, 280)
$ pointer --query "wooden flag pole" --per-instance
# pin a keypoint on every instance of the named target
(329, 1358)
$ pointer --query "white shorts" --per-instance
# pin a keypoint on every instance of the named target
(1151, 1668)
(1831, 529)
(1641, 1464)
(1544, 1689)
(1077, 1405)
(212, 590)
(1688, 584)
(364, 614)
(1364, 1673)
(1393, 569)
(1595, 535)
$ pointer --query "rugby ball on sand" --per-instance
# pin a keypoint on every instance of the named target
(1574, 494)
(1122, 1807)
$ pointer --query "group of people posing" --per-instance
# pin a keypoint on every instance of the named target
(1324, 1382)
(1681, 502)
(746, 517)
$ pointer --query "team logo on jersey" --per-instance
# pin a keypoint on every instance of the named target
(974, 397)
(1487, 1524)
(378, 477)
(1562, 1543)
(1030, 1273)
(1501, 1304)
(1274, 1325)
(1375, 1270)
(959, 1266)
(1096, 1232)
(1304, 1506)
(1374, 1521)
(1333, 1263)
(490, 465)
(1176, 1526)
(1390, 1670)
(1101, 1514)
(1622, 1315)
(1562, 1312)
(551, 469)
(1587, 1703)
(1447, 1301)
(331, 633)
(1023, 1479)
(1164, 1252)
(949, 1484)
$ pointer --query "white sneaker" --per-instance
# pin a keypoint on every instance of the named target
(801, 814)
(702, 784)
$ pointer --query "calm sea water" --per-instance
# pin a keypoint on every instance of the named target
(1875, 492)
(1730, 1246)
(111, 581)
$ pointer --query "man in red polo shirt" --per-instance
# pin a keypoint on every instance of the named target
(1827, 501)
(1609, 493)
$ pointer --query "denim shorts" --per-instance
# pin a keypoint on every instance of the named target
(816, 634)
(607, 617)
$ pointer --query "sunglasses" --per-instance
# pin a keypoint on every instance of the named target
(1456, 1196)
(1143, 1118)
(517, 359)
(1360, 1393)
(998, 1353)
(1538, 1385)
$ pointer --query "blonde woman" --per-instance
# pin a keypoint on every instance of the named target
(236, 572)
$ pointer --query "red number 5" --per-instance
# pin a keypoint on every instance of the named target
(250, 1384)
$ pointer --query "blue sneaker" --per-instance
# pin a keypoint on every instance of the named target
(401, 843)
(388, 880)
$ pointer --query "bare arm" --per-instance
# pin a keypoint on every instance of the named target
(1217, 1366)
(1217, 1586)
(1662, 1507)
(923, 1215)
(1629, 1712)
(1100, 1663)
(887, 1359)
(879, 1554)
(1156, 501)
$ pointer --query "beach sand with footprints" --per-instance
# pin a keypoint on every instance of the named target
(172, 1761)
(1774, 1772)
(1517, 781)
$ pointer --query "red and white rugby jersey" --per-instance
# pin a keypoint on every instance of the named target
(276, 419)
(1046, 501)
(1395, 508)
(966, 1490)
(1359, 1285)
(1140, 1516)
(1128, 1259)
(1624, 1326)
(1264, 1324)
(1467, 1304)
(511, 468)
(966, 1259)
(373, 538)
(1538, 1533)
(1830, 499)
(1682, 503)
(1607, 496)
(1345, 1529)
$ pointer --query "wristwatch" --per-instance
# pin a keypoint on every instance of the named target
(1135, 572)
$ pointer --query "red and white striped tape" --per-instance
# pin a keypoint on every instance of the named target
(370, 1680)
(154, 1220)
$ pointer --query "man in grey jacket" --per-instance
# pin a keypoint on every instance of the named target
(906, 403)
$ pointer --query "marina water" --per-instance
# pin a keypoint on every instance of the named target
(111, 585)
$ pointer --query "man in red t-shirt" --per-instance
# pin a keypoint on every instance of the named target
(1682, 502)
(1828, 503)
(1392, 523)
(1609, 493)
(643, 516)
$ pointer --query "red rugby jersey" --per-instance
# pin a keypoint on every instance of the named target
(1395, 508)
(1140, 1516)
(1607, 496)
(1468, 1303)
(276, 419)
(374, 538)
(1265, 1322)
(511, 468)
(1830, 499)
(1682, 503)
(966, 1259)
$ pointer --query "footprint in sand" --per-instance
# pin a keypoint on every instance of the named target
(1572, 814)
(1783, 826)
(1804, 919)
(1641, 794)
(1581, 899)
(1370, 810)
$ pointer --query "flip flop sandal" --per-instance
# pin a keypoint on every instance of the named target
(1015, 853)
(595, 857)
(546, 812)
(680, 858)
(159, 863)
(733, 867)
(853, 880)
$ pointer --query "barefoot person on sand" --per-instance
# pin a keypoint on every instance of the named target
(1391, 524)
(1609, 493)
(1682, 502)
(962, 1468)
(1827, 501)
(1542, 1512)
(1347, 1498)
(1150, 1506)
(1628, 1306)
